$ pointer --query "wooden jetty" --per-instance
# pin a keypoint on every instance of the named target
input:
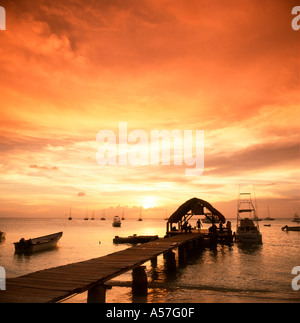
(55, 284)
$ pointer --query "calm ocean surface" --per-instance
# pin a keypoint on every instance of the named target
(227, 274)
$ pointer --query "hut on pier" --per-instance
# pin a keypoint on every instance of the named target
(186, 211)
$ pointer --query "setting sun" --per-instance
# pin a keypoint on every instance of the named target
(149, 201)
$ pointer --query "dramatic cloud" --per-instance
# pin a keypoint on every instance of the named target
(69, 69)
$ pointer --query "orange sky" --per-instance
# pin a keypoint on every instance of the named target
(69, 69)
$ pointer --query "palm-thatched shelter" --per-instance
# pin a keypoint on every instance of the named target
(192, 207)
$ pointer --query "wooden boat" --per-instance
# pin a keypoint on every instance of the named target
(116, 221)
(37, 244)
(267, 225)
(134, 239)
(287, 228)
(247, 230)
(2, 235)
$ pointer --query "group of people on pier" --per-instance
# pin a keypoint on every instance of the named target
(186, 227)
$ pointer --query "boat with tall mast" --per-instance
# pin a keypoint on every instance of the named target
(268, 218)
(247, 230)
(103, 216)
(70, 215)
(296, 218)
(140, 217)
(86, 215)
(92, 218)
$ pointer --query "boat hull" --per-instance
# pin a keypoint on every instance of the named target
(249, 238)
(38, 244)
(116, 221)
(287, 228)
(134, 239)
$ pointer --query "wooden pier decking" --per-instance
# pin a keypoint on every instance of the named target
(55, 284)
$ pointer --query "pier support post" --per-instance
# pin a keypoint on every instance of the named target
(139, 281)
(170, 261)
(154, 262)
(97, 294)
(182, 257)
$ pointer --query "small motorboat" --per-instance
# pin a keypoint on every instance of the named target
(116, 221)
(134, 239)
(37, 244)
(287, 228)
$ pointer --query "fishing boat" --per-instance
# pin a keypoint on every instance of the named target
(116, 221)
(247, 230)
(134, 239)
(37, 244)
(2, 235)
(287, 228)
(296, 218)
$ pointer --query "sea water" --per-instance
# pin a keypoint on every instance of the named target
(232, 273)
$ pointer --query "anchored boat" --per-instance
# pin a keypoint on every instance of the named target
(37, 244)
(296, 218)
(134, 239)
(247, 230)
(116, 221)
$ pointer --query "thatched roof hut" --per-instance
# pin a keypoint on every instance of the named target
(192, 207)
